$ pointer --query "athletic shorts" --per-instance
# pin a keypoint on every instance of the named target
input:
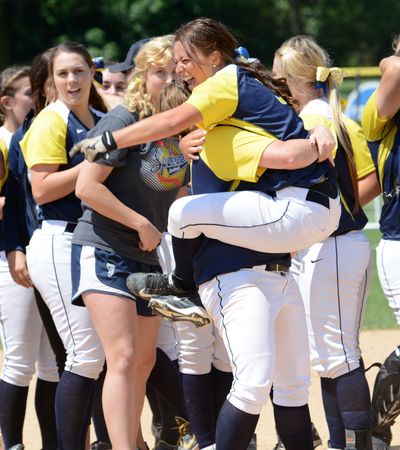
(98, 270)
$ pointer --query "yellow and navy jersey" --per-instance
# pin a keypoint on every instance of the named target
(53, 132)
(383, 136)
(318, 112)
(234, 98)
(5, 139)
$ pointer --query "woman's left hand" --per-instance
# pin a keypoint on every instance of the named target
(192, 144)
(322, 137)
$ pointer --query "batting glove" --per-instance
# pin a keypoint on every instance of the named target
(94, 148)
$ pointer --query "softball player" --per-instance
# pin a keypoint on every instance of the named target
(22, 334)
(381, 123)
(118, 234)
(338, 266)
(205, 368)
(53, 175)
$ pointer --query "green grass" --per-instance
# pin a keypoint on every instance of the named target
(378, 314)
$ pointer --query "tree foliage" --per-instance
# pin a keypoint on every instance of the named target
(354, 33)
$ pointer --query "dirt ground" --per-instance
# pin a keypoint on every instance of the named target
(376, 345)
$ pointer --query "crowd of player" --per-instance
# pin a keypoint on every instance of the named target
(264, 267)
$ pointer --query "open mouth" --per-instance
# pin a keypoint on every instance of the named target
(191, 82)
(74, 91)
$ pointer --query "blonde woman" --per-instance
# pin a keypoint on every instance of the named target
(333, 275)
(126, 200)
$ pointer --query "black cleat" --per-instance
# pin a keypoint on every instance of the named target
(146, 285)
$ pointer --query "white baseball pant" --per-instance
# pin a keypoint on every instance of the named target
(253, 220)
(387, 263)
(23, 336)
(333, 278)
(49, 264)
(260, 316)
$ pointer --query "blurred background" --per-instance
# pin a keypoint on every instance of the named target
(356, 34)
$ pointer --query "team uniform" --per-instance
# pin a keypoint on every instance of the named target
(252, 299)
(384, 140)
(23, 337)
(341, 262)
(52, 134)
(338, 267)
(384, 136)
(298, 208)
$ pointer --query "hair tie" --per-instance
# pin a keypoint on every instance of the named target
(243, 55)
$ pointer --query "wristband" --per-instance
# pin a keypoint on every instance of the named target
(108, 141)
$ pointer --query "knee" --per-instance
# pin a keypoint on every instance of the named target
(292, 394)
(123, 362)
(18, 375)
(249, 398)
(145, 365)
(174, 217)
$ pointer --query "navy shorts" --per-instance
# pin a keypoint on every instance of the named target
(98, 270)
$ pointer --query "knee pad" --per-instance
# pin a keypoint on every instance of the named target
(386, 393)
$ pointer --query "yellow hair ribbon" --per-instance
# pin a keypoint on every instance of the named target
(336, 73)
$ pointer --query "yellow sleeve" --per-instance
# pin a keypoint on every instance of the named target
(45, 141)
(216, 98)
(362, 155)
(238, 153)
(372, 125)
(4, 152)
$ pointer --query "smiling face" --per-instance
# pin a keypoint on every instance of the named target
(72, 79)
(195, 70)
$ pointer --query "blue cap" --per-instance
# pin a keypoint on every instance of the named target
(129, 62)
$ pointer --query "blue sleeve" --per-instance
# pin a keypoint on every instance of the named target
(18, 224)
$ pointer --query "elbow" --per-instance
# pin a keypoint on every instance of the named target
(39, 196)
(82, 191)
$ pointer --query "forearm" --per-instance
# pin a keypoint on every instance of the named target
(54, 185)
(159, 126)
(290, 155)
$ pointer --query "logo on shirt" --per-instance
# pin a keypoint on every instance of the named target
(110, 270)
(164, 167)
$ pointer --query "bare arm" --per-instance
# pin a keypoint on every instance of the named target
(388, 92)
(49, 184)
(94, 193)
(168, 123)
(289, 155)
(368, 188)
